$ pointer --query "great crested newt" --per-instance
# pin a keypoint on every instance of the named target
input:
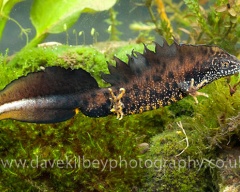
(148, 81)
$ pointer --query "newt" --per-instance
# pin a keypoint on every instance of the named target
(148, 81)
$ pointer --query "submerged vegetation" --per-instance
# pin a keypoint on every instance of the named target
(102, 154)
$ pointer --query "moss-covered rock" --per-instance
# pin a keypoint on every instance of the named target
(212, 125)
(171, 171)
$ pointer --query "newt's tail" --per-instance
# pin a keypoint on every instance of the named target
(47, 96)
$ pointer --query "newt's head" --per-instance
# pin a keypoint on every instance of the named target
(220, 65)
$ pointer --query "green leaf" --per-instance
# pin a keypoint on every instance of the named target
(50, 16)
(5, 8)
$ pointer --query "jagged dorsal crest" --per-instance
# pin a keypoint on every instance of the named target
(166, 50)
(119, 74)
(137, 63)
(165, 56)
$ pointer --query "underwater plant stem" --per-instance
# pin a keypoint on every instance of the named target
(23, 31)
(162, 13)
(35, 41)
(152, 16)
(229, 30)
(186, 138)
(154, 20)
(174, 8)
(113, 23)
(3, 19)
(199, 36)
(67, 37)
(76, 36)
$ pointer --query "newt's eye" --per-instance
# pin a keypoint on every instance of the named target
(224, 64)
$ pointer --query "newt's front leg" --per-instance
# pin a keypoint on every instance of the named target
(193, 90)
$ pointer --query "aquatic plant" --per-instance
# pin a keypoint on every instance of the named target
(113, 23)
(196, 22)
(5, 9)
(52, 17)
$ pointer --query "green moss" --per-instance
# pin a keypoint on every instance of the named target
(208, 129)
(81, 137)
(176, 173)
(84, 57)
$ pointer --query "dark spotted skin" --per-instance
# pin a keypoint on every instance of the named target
(156, 79)
(150, 80)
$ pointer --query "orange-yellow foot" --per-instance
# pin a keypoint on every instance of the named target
(192, 90)
(117, 105)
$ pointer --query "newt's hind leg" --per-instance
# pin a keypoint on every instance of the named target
(117, 105)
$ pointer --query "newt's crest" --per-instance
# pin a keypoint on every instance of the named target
(148, 81)
(199, 61)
